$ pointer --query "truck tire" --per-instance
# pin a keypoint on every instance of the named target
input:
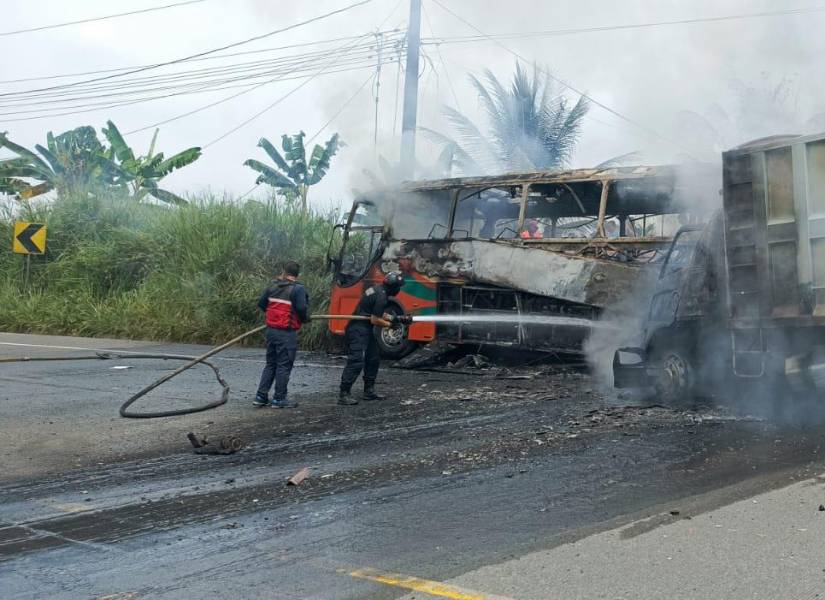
(675, 381)
(392, 341)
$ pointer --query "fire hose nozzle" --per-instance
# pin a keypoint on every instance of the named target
(403, 319)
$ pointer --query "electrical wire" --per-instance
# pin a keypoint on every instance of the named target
(208, 52)
(603, 106)
(360, 49)
(223, 100)
(601, 28)
(268, 107)
(341, 109)
(359, 58)
(285, 96)
(248, 87)
(95, 19)
(205, 58)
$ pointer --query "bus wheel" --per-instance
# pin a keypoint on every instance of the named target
(392, 341)
(675, 377)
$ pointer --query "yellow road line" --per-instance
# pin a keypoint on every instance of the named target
(434, 588)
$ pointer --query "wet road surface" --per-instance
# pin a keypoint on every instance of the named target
(450, 473)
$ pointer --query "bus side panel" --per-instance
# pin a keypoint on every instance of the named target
(418, 297)
(343, 302)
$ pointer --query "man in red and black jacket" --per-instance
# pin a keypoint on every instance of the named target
(286, 304)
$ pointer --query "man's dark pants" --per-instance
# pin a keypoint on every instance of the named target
(362, 354)
(281, 347)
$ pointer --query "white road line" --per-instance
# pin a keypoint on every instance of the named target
(150, 351)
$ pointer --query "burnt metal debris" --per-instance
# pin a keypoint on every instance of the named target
(225, 445)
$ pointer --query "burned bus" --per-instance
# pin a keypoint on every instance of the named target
(567, 243)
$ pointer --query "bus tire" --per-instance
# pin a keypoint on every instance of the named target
(392, 341)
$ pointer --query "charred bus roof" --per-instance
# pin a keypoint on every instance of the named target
(656, 189)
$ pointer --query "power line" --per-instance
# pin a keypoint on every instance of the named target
(216, 57)
(268, 107)
(341, 109)
(205, 52)
(555, 32)
(216, 103)
(186, 80)
(285, 96)
(96, 107)
(94, 19)
(601, 105)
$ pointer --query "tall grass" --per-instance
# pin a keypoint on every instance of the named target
(192, 274)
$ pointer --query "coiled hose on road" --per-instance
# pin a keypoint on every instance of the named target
(124, 408)
(193, 360)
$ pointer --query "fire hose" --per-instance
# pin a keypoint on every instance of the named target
(193, 360)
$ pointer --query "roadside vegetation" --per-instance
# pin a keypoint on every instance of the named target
(188, 273)
(126, 258)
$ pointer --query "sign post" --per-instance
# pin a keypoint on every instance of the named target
(29, 238)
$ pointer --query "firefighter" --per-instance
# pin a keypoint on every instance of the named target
(286, 304)
(360, 338)
(531, 230)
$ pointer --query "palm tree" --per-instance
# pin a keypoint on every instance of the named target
(71, 163)
(757, 109)
(142, 173)
(293, 175)
(530, 127)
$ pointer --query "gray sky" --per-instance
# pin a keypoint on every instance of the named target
(741, 78)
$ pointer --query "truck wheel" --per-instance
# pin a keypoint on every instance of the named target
(675, 377)
(392, 341)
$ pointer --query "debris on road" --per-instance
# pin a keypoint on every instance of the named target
(475, 361)
(299, 477)
(432, 354)
(226, 445)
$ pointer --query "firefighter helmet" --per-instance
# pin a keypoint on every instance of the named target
(393, 281)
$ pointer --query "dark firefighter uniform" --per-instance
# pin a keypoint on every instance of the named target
(362, 345)
(287, 305)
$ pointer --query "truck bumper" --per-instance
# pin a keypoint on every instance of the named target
(630, 368)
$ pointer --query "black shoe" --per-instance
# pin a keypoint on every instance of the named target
(369, 393)
(283, 404)
(345, 398)
(260, 400)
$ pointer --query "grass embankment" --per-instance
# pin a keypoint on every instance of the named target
(117, 268)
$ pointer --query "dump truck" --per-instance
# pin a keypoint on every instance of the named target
(739, 303)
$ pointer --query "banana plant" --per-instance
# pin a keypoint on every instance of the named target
(142, 173)
(71, 163)
(293, 174)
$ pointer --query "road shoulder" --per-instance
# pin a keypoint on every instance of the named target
(767, 546)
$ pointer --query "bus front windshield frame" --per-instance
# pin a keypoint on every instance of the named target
(362, 243)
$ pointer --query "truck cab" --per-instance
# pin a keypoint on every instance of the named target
(685, 320)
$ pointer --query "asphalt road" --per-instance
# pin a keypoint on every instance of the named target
(451, 474)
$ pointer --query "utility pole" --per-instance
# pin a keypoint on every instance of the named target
(408, 122)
